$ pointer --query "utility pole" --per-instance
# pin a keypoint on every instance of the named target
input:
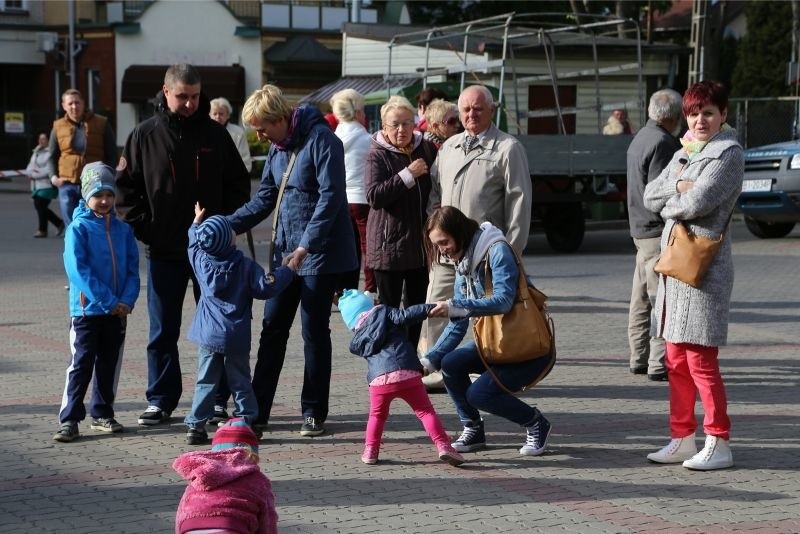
(71, 44)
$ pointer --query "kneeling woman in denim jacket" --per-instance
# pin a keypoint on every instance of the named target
(461, 239)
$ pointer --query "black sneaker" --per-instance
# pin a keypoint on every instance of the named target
(657, 377)
(471, 439)
(67, 432)
(196, 436)
(106, 424)
(311, 427)
(153, 415)
(220, 416)
(536, 440)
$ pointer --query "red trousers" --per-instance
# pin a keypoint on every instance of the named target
(691, 369)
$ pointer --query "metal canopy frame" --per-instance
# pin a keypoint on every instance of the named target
(513, 32)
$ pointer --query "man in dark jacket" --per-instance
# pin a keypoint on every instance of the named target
(649, 152)
(172, 160)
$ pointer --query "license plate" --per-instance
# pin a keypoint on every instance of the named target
(752, 186)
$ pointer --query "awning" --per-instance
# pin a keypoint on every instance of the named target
(362, 84)
(141, 82)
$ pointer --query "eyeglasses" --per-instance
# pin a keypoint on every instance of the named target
(398, 125)
(452, 121)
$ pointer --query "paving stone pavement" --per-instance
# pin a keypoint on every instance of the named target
(593, 478)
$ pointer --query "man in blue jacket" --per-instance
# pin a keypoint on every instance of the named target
(313, 236)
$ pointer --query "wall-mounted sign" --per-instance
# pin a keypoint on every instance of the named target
(14, 122)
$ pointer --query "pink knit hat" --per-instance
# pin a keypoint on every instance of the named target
(235, 433)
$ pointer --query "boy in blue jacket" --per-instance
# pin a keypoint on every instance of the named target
(229, 281)
(102, 264)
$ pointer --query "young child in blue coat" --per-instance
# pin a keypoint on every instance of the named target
(393, 369)
(102, 264)
(229, 281)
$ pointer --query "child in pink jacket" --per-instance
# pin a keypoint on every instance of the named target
(227, 491)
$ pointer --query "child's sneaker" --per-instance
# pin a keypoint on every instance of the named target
(196, 436)
(220, 416)
(370, 456)
(448, 454)
(67, 432)
(106, 424)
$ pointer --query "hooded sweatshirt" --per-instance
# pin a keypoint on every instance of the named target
(226, 491)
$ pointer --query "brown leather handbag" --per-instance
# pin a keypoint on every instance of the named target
(687, 256)
(522, 334)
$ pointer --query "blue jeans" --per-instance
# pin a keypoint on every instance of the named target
(68, 197)
(484, 394)
(210, 367)
(167, 281)
(314, 294)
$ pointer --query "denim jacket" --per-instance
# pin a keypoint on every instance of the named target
(469, 299)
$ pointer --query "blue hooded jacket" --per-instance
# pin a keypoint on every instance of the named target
(314, 213)
(102, 263)
(383, 342)
(228, 284)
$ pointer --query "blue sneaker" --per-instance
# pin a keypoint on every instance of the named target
(536, 441)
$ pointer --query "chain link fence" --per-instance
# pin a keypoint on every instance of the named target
(763, 121)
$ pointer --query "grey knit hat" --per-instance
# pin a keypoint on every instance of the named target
(96, 177)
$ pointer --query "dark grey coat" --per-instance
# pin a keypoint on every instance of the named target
(699, 315)
(649, 152)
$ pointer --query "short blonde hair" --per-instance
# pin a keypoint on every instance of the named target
(221, 102)
(346, 103)
(397, 102)
(267, 103)
(71, 92)
(437, 110)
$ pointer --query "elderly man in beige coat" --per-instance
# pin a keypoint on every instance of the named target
(484, 173)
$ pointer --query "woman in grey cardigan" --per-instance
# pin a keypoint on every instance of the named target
(699, 187)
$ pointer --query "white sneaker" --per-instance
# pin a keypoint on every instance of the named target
(676, 451)
(433, 381)
(715, 455)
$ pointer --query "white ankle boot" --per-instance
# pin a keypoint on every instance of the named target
(676, 451)
(715, 455)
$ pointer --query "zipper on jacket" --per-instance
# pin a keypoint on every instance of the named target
(107, 218)
(172, 168)
(197, 166)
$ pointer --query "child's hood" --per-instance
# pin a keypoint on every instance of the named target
(370, 336)
(82, 211)
(220, 272)
(207, 470)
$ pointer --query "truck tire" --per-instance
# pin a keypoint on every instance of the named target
(767, 230)
(564, 226)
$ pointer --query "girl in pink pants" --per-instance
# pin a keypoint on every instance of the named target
(393, 371)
